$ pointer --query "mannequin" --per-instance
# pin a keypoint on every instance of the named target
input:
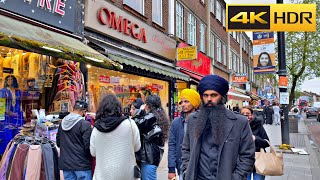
(14, 114)
(30, 98)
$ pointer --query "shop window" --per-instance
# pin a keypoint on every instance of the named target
(202, 37)
(179, 21)
(157, 11)
(33, 81)
(127, 87)
(137, 5)
(192, 24)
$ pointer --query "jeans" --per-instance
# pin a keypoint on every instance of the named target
(255, 176)
(77, 175)
(148, 171)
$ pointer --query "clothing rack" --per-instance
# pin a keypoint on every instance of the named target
(30, 158)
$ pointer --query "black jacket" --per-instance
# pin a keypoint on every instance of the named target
(259, 132)
(75, 147)
(152, 145)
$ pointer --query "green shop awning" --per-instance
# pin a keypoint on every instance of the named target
(21, 35)
(150, 66)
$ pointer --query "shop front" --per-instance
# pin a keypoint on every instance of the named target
(238, 96)
(41, 64)
(146, 54)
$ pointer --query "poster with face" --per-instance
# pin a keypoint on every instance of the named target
(263, 53)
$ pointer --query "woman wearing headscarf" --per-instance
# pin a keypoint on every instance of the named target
(113, 142)
(153, 125)
(259, 136)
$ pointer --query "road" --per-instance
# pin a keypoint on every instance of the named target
(314, 129)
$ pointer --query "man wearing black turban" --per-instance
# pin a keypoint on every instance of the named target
(218, 144)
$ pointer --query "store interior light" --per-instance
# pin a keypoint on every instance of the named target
(89, 66)
(51, 49)
(94, 59)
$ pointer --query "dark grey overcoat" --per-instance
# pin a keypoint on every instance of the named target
(236, 154)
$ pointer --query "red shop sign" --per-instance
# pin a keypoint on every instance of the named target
(201, 65)
(104, 79)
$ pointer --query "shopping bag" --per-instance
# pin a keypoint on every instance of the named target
(269, 164)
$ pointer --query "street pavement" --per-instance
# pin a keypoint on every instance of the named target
(296, 167)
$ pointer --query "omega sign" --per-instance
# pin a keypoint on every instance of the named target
(123, 25)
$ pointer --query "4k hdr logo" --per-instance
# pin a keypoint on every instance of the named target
(274, 17)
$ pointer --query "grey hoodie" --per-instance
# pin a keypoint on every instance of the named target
(69, 121)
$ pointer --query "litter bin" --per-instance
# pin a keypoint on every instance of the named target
(293, 123)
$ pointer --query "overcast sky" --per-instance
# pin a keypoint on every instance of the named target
(309, 85)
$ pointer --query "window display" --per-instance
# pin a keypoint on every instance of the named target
(126, 86)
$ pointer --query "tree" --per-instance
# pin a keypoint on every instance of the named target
(302, 54)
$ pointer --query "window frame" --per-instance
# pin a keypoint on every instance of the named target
(224, 53)
(212, 10)
(219, 50)
(223, 17)
(161, 13)
(212, 43)
(192, 29)
(202, 37)
(218, 11)
(179, 16)
(143, 3)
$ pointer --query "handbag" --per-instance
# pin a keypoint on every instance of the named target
(136, 168)
(269, 164)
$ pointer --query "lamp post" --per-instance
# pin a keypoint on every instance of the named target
(283, 72)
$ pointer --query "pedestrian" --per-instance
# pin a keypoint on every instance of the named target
(190, 101)
(153, 125)
(268, 114)
(218, 143)
(135, 106)
(236, 108)
(259, 136)
(113, 142)
(73, 138)
(276, 113)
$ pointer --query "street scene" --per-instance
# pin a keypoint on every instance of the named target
(159, 90)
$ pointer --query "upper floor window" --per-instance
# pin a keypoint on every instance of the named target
(224, 18)
(157, 11)
(219, 56)
(212, 6)
(202, 37)
(192, 24)
(137, 5)
(179, 21)
(218, 11)
(212, 49)
(235, 62)
(224, 54)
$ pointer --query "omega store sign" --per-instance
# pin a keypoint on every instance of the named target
(57, 13)
(105, 18)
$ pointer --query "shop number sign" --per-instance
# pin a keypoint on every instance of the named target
(187, 53)
(104, 79)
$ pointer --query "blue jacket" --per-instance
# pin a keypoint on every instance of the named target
(175, 144)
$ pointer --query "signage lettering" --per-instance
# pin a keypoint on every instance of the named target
(59, 5)
(108, 18)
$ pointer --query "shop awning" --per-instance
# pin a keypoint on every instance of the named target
(149, 66)
(192, 75)
(21, 35)
(236, 96)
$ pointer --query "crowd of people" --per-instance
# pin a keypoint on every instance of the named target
(207, 141)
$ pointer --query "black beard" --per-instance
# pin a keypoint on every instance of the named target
(214, 117)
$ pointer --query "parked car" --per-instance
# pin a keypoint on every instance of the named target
(312, 111)
(318, 115)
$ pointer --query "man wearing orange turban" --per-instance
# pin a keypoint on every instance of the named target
(190, 101)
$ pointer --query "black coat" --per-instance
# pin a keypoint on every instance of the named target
(260, 133)
(152, 144)
(236, 153)
(75, 147)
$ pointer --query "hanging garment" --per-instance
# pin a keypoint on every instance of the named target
(34, 64)
(5, 161)
(10, 162)
(42, 169)
(34, 163)
(16, 61)
(1, 69)
(25, 65)
(7, 64)
(47, 154)
(56, 163)
(18, 162)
